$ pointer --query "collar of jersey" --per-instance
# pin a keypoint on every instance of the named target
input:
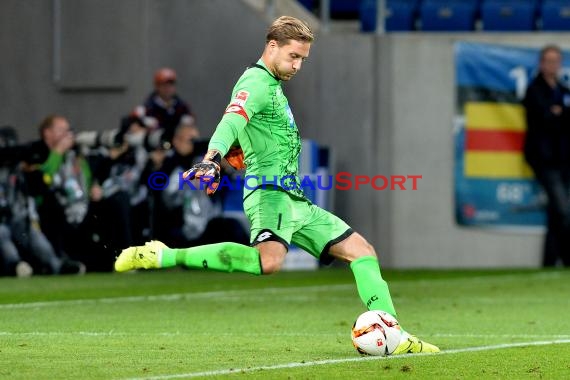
(261, 65)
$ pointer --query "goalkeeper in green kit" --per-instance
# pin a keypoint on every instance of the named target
(259, 120)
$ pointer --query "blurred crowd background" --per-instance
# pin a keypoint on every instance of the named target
(70, 201)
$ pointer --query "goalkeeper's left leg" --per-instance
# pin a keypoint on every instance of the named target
(372, 288)
(225, 257)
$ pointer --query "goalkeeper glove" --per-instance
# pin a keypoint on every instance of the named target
(207, 171)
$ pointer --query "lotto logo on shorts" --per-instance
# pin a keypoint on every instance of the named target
(264, 236)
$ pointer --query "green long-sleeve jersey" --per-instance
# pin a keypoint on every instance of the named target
(260, 120)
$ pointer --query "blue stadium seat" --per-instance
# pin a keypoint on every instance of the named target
(555, 15)
(345, 9)
(400, 15)
(447, 15)
(309, 4)
(508, 15)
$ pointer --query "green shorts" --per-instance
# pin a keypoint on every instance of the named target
(276, 215)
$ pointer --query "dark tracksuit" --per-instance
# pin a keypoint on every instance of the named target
(547, 150)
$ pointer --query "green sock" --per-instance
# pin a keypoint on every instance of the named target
(372, 288)
(224, 257)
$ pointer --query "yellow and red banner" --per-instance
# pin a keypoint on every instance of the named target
(494, 186)
(494, 140)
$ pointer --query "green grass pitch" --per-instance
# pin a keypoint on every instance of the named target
(294, 325)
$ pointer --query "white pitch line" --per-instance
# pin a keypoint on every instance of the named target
(345, 360)
(114, 333)
(122, 334)
(221, 293)
(173, 297)
(494, 336)
(484, 278)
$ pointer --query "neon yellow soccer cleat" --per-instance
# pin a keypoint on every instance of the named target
(410, 344)
(147, 256)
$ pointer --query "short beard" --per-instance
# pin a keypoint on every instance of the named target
(281, 77)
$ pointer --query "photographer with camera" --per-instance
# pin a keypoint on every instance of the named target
(118, 169)
(73, 213)
(21, 241)
(118, 158)
(11, 263)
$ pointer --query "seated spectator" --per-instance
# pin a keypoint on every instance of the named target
(163, 108)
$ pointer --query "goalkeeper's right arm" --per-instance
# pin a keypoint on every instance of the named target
(221, 142)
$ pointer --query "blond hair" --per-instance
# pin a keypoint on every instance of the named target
(287, 28)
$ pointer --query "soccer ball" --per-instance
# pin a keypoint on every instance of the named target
(376, 333)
